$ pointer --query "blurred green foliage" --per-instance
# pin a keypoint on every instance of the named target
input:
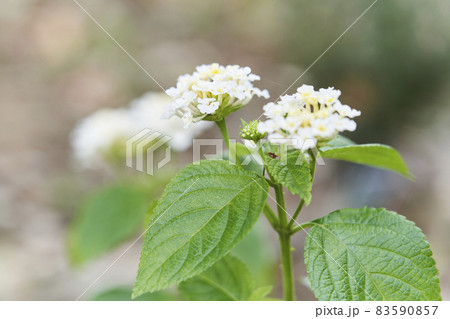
(111, 215)
(124, 294)
(389, 64)
(108, 217)
(258, 253)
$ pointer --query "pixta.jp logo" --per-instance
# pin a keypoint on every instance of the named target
(144, 146)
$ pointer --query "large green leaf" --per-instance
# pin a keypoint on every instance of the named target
(124, 294)
(292, 172)
(369, 254)
(204, 212)
(377, 155)
(227, 280)
(110, 216)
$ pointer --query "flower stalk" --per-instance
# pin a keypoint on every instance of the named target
(222, 124)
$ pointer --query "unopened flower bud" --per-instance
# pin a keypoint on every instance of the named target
(249, 131)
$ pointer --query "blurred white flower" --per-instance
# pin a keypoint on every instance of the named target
(307, 117)
(98, 133)
(212, 92)
(146, 112)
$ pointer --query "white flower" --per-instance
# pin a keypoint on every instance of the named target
(207, 105)
(307, 93)
(347, 111)
(268, 126)
(307, 117)
(274, 110)
(146, 112)
(323, 128)
(187, 119)
(290, 124)
(328, 96)
(95, 134)
(345, 124)
(277, 138)
(169, 111)
(98, 133)
(212, 92)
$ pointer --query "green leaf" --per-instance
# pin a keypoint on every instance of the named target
(292, 172)
(149, 214)
(227, 280)
(369, 254)
(124, 294)
(376, 155)
(204, 212)
(338, 141)
(248, 159)
(260, 294)
(109, 217)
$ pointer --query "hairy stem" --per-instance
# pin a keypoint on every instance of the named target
(285, 246)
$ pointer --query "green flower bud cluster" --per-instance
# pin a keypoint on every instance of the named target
(249, 131)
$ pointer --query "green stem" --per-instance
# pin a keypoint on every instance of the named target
(296, 213)
(312, 165)
(271, 183)
(302, 226)
(280, 204)
(270, 215)
(285, 246)
(287, 267)
(222, 124)
(223, 129)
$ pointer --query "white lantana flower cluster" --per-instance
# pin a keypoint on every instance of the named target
(307, 117)
(212, 92)
(95, 136)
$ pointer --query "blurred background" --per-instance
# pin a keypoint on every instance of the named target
(58, 67)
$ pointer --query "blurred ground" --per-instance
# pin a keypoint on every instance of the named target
(57, 66)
